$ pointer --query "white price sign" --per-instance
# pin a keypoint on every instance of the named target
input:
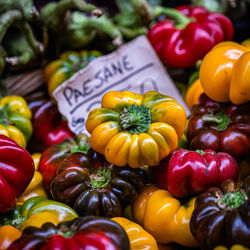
(134, 67)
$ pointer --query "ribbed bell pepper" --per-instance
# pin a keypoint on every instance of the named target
(78, 234)
(138, 238)
(225, 73)
(191, 172)
(163, 216)
(53, 156)
(48, 125)
(221, 216)
(68, 64)
(222, 127)
(15, 117)
(16, 172)
(195, 32)
(136, 129)
(35, 212)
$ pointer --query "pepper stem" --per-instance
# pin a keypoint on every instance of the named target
(100, 178)
(233, 200)
(135, 119)
(220, 118)
(181, 20)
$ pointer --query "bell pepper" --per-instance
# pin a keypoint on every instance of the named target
(138, 237)
(16, 172)
(35, 212)
(48, 125)
(163, 216)
(191, 172)
(222, 127)
(53, 156)
(193, 93)
(35, 187)
(234, 247)
(67, 65)
(81, 233)
(221, 216)
(15, 119)
(225, 71)
(92, 186)
(8, 234)
(196, 32)
(136, 129)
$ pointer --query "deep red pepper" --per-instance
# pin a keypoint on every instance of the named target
(16, 171)
(222, 127)
(195, 33)
(48, 125)
(191, 172)
(81, 233)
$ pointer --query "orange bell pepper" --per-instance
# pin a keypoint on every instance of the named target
(8, 234)
(225, 73)
(139, 239)
(193, 93)
(164, 217)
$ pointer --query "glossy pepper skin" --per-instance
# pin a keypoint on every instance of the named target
(225, 72)
(8, 234)
(222, 127)
(92, 186)
(221, 216)
(191, 172)
(15, 117)
(163, 216)
(53, 156)
(68, 64)
(81, 233)
(48, 125)
(35, 212)
(35, 187)
(136, 129)
(193, 93)
(16, 172)
(196, 32)
(138, 237)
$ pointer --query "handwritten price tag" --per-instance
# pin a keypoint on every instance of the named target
(134, 67)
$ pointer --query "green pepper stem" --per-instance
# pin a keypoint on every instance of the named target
(181, 20)
(135, 119)
(100, 178)
(233, 200)
(220, 118)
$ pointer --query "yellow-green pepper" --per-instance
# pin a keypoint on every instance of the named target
(15, 119)
(136, 129)
(67, 65)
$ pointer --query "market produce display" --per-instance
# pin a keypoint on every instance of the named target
(125, 164)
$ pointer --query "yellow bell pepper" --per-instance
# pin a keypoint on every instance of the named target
(225, 73)
(193, 93)
(234, 247)
(139, 239)
(15, 117)
(67, 65)
(35, 187)
(8, 234)
(164, 217)
(136, 129)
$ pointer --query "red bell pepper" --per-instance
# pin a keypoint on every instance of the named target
(16, 171)
(48, 125)
(87, 232)
(195, 32)
(191, 172)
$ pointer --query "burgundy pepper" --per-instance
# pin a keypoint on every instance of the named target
(189, 35)
(191, 172)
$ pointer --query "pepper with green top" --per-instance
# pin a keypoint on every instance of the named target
(221, 216)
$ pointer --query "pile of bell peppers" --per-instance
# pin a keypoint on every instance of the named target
(147, 176)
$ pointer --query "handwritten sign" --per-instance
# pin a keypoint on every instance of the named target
(134, 67)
